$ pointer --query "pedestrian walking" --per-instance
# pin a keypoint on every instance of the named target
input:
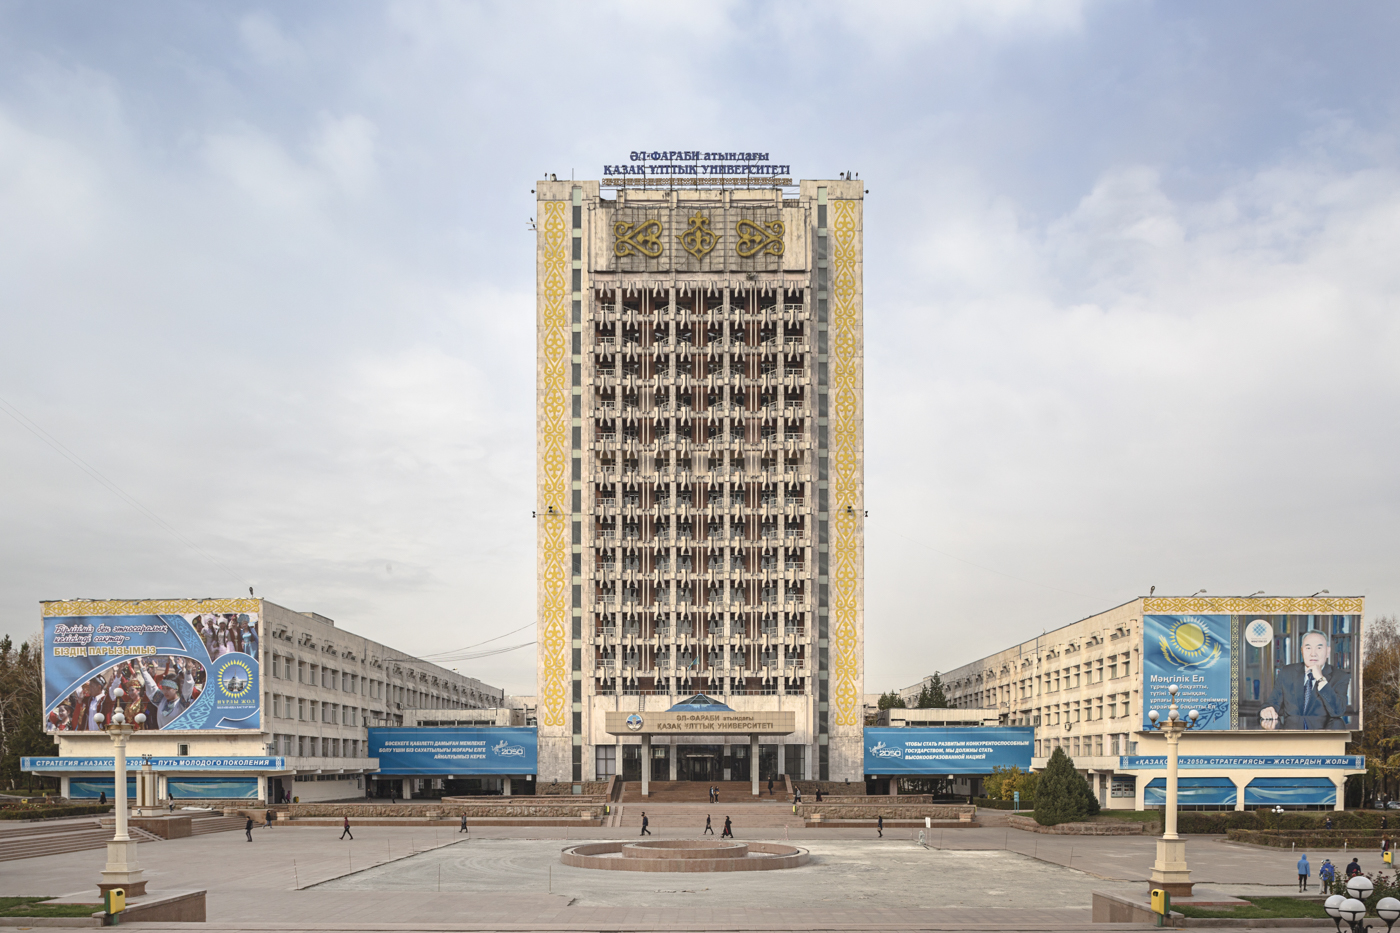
(268, 817)
(1353, 869)
(1326, 874)
(880, 827)
(1327, 823)
(463, 827)
(1304, 870)
(708, 828)
(728, 829)
(346, 831)
(770, 787)
(248, 828)
(102, 798)
(645, 823)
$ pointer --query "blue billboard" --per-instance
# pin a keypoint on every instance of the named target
(948, 750)
(455, 751)
(1193, 652)
(178, 670)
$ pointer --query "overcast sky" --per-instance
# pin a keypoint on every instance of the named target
(1131, 287)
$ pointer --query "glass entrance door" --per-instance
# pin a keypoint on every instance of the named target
(699, 763)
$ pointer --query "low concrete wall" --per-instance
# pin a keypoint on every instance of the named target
(26, 922)
(889, 810)
(559, 788)
(168, 907)
(595, 855)
(1114, 828)
(1114, 908)
(882, 799)
(503, 807)
(166, 827)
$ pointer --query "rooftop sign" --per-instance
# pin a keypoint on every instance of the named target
(728, 722)
(664, 168)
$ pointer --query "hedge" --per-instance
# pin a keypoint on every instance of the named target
(1307, 839)
(46, 813)
(1220, 822)
(991, 803)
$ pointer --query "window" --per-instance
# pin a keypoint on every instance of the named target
(606, 761)
(276, 706)
(182, 750)
(301, 709)
(301, 672)
(1098, 746)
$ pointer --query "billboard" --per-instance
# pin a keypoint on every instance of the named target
(948, 750)
(455, 751)
(1255, 671)
(188, 665)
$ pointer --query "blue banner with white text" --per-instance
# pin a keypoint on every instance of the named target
(455, 750)
(949, 750)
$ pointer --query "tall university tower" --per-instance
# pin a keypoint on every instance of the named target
(700, 470)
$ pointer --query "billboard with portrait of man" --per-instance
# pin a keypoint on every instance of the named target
(1255, 670)
(179, 664)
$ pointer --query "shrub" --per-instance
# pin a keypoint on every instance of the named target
(1062, 795)
(43, 813)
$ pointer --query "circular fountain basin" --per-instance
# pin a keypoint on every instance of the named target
(688, 855)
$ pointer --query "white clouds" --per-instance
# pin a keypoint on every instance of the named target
(281, 290)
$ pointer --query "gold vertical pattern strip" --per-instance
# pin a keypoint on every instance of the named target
(845, 361)
(553, 424)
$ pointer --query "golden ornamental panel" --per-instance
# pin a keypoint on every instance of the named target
(755, 238)
(640, 238)
(553, 425)
(698, 239)
(137, 607)
(846, 468)
(1242, 605)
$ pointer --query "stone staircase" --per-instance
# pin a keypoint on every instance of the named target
(689, 818)
(219, 824)
(39, 839)
(698, 792)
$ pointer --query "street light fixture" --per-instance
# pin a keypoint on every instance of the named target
(1170, 872)
(123, 868)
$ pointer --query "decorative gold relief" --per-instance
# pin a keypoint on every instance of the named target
(644, 238)
(553, 424)
(132, 607)
(1266, 606)
(847, 509)
(698, 238)
(755, 238)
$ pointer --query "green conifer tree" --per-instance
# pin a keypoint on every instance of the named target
(1061, 794)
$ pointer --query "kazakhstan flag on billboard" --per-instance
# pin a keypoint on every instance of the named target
(1193, 652)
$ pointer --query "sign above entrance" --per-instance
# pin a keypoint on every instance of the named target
(664, 168)
(727, 722)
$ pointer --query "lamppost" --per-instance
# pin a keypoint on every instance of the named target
(123, 868)
(1170, 872)
(1351, 906)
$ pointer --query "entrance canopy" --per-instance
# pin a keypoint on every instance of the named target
(700, 704)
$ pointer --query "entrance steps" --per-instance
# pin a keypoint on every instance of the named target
(690, 818)
(61, 839)
(699, 792)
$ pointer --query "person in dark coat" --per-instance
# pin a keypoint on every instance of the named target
(463, 827)
(708, 828)
(102, 798)
(880, 826)
(1308, 694)
(248, 828)
(728, 829)
(770, 787)
(645, 822)
(346, 831)
(1353, 869)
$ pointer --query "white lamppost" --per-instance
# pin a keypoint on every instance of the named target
(1170, 872)
(123, 868)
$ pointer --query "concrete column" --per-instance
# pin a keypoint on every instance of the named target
(407, 789)
(753, 762)
(894, 786)
(1240, 784)
(64, 787)
(505, 785)
(263, 796)
(1341, 782)
(646, 765)
(672, 759)
(782, 763)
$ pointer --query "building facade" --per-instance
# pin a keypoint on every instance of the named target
(322, 688)
(1087, 687)
(700, 396)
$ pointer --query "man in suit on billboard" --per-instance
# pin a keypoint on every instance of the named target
(1306, 693)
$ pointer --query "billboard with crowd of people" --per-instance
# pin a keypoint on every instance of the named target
(1255, 671)
(175, 664)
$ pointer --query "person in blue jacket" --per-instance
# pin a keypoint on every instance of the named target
(1304, 870)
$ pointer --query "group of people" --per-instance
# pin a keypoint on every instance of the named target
(227, 633)
(728, 825)
(162, 688)
(1326, 873)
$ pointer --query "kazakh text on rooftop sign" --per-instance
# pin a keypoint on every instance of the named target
(693, 166)
(729, 722)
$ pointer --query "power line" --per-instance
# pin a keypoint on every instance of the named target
(478, 644)
(25, 422)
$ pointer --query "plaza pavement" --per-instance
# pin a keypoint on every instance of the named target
(509, 878)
